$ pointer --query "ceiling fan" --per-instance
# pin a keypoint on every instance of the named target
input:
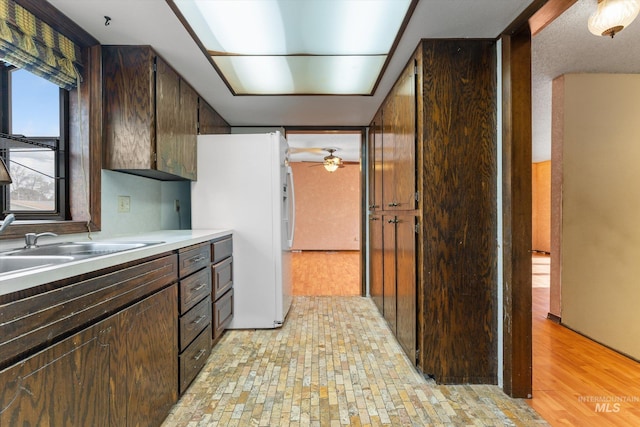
(331, 163)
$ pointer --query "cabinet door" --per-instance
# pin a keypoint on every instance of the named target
(388, 165)
(375, 163)
(389, 270)
(188, 136)
(168, 117)
(149, 334)
(404, 171)
(129, 107)
(65, 384)
(209, 121)
(376, 289)
(399, 144)
(406, 284)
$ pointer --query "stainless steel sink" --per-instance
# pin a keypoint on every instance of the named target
(80, 249)
(59, 253)
(20, 262)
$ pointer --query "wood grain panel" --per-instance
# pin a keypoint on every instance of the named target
(389, 270)
(187, 154)
(29, 323)
(129, 117)
(404, 142)
(388, 164)
(406, 284)
(209, 121)
(376, 150)
(376, 279)
(458, 314)
(516, 207)
(67, 384)
(149, 334)
(168, 119)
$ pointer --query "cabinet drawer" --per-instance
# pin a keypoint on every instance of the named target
(222, 277)
(192, 323)
(194, 358)
(222, 313)
(194, 288)
(221, 249)
(193, 258)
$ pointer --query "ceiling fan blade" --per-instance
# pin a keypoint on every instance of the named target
(294, 150)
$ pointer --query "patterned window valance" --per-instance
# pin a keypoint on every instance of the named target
(29, 43)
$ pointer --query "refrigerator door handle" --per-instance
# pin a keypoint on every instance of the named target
(292, 206)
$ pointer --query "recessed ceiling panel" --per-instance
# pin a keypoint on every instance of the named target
(284, 47)
(286, 75)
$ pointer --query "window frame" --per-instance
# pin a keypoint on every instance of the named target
(61, 211)
(84, 133)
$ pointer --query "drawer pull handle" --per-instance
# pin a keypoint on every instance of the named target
(202, 285)
(200, 354)
(200, 319)
(198, 258)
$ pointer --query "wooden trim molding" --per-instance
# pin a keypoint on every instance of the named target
(516, 218)
(85, 134)
(548, 13)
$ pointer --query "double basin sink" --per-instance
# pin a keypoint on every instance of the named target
(59, 253)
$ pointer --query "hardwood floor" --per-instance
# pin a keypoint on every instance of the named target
(326, 273)
(577, 382)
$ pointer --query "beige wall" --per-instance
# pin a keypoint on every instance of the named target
(600, 272)
(327, 207)
(541, 206)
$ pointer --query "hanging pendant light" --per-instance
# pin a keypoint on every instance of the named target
(612, 16)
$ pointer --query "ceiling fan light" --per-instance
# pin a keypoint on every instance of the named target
(331, 167)
(612, 16)
(332, 163)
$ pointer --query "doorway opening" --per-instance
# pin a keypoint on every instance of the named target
(327, 244)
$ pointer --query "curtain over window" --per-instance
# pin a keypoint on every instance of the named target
(29, 43)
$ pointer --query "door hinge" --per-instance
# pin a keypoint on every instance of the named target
(416, 227)
(417, 196)
(417, 354)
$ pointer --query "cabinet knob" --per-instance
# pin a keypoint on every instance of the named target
(374, 218)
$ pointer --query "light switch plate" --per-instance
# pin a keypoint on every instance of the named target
(124, 203)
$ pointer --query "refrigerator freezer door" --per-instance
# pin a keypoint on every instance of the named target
(239, 188)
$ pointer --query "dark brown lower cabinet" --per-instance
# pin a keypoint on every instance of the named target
(120, 371)
(389, 270)
(376, 278)
(394, 262)
(406, 294)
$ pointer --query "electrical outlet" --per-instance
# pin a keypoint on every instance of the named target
(124, 204)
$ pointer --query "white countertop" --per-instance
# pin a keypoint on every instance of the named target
(172, 239)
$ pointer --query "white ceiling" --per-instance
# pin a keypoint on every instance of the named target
(567, 46)
(153, 23)
(564, 46)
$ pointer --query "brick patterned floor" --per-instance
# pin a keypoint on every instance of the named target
(333, 363)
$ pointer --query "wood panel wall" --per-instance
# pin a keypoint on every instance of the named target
(457, 133)
(541, 206)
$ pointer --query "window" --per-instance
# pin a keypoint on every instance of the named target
(35, 109)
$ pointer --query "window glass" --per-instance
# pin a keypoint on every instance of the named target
(35, 113)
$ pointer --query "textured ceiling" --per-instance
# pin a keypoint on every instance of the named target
(567, 46)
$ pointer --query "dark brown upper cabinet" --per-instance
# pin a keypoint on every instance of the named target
(209, 121)
(150, 115)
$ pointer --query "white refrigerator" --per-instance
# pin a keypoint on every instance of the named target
(245, 184)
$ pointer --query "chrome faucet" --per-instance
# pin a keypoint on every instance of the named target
(31, 239)
(7, 220)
